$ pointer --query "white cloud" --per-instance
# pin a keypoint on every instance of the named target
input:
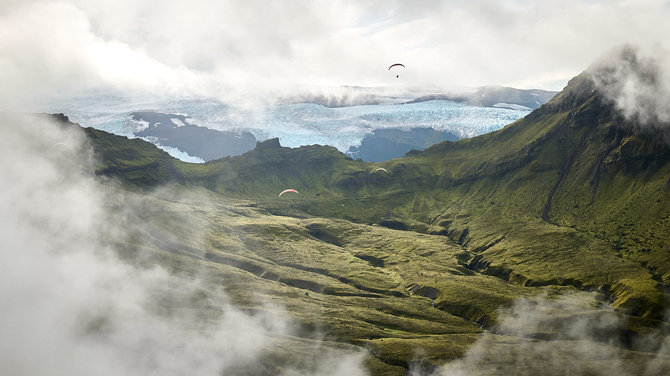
(237, 49)
(637, 81)
(567, 334)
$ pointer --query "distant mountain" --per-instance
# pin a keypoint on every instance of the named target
(495, 96)
(176, 131)
(195, 130)
(385, 144)
(484, 96)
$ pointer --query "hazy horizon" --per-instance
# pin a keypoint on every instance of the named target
(245, 51)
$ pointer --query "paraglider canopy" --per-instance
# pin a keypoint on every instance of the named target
(58, 145)
(380, 169)
(396, 65)
(288, 190)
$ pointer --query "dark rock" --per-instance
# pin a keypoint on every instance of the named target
(208, 144)
(384, 144)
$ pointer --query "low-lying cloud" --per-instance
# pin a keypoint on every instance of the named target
(568, 334)
(637, 80)
(70, 306)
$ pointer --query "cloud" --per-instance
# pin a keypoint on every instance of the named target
(49, 49)
(566, 334)
(70, 306)
(637, 80)
(239, 49)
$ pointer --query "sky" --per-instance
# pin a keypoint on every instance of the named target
(241, 49)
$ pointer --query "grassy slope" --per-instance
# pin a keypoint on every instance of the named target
(399, 295)
(133, 161)
(365, 285)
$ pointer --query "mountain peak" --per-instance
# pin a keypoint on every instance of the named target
(577, 92)
(271, 143)
(629, 86)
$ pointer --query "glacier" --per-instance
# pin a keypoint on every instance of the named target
(296, 124)
(344, 127)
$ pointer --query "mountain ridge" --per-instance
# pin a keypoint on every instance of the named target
(489, 96)
(486, 96)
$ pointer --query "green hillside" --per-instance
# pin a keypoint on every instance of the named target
(571, 198)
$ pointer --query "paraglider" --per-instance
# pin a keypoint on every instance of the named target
(58, 145)
(379, 169)
(289, 190)
(396, 65)
(59, 148)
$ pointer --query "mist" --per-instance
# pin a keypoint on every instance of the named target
(564, 333)
(637, 80)
(73, 306)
